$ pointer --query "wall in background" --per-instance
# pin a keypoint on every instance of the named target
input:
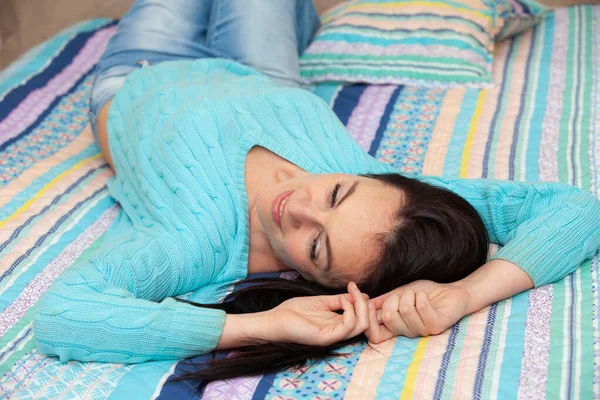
(25, 23)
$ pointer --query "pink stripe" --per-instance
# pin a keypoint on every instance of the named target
(366, 116)
(38, 100)
(548, 160)
(38, 285)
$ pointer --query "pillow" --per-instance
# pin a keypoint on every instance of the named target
(426, 43)
(516, 16)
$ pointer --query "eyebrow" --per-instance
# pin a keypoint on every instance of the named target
(327, 245)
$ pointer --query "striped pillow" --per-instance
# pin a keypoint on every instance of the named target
(517, 16)
(426, 42)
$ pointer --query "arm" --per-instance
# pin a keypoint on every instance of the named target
(116, 307)
(547, 229)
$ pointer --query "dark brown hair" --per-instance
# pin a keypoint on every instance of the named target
(438, 236)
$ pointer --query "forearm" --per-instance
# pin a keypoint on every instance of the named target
(494, 281)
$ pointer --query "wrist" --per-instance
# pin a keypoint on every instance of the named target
(244, 330)
(494, 281)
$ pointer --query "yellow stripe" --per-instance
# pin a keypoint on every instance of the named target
(49, 186)
(464, 165)
(413, 369)
(425, 4)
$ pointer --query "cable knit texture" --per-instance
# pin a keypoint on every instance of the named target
(179, 133)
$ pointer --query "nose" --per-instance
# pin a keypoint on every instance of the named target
(303, 211)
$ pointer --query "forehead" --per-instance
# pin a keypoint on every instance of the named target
(368, 211)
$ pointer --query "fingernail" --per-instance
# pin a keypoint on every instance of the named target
(370, 305)
(353, 285)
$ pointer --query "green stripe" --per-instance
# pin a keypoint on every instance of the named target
(530, 102)
(415, 34)
(9, 362)
(557, 334)
(565, 130)
(440, 62)
(402, 73)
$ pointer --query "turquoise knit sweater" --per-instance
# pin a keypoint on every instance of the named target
(179, 136)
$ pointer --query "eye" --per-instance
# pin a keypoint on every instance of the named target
(334, 192)
(313, 249)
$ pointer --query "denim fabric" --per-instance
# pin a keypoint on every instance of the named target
(267, 35)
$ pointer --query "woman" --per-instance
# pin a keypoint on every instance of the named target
(223, 171)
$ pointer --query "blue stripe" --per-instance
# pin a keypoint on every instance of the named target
(55, 201)
(532, 172)
(394, 375)
(510, 372)
(524, 95)
(50, 232)
(366, 28)
(389, 108)
(64, 239)
(485, 351)
(63, 59)
(494, 125)
(327, 91)
(346, 101)
(263, 387)
(445, 363)
(46, 112)
(392, 65)
(459, 134)
(32, 62)
(352, 38)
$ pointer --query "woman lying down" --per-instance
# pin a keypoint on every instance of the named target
(228, 168)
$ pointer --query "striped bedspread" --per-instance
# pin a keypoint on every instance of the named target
(538, 123)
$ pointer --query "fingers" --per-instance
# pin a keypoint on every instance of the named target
(360, 308)
(378, 301)
(411, 317)
(376, 333)
(428, 314)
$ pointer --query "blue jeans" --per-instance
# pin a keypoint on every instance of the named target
(267, 35)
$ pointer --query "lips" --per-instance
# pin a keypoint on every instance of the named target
(278, 206)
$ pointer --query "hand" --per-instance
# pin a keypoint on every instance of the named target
(314, 320)
(420, 308)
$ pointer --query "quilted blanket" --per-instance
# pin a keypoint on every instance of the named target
(539, 122)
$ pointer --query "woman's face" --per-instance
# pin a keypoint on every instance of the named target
(324, 226)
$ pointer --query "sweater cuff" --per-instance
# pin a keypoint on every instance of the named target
(194, 330)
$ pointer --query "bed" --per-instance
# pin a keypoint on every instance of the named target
(539, 122)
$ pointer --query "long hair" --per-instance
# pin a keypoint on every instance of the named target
(437, 236)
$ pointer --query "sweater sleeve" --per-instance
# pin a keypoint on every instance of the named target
(547, 229)
(115, 307)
